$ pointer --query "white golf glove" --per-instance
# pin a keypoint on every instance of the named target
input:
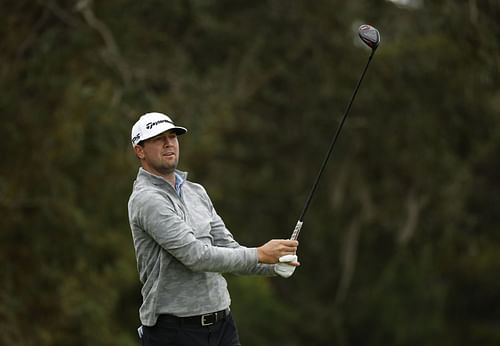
(284, 268)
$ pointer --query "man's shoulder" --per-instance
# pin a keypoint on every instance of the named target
(195, 187)
(142, 196)
(143, 192)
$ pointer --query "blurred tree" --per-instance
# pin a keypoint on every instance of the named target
(400, 245)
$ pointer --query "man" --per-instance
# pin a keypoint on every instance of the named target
(182, 246)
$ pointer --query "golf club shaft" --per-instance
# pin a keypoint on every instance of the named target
(298, 226)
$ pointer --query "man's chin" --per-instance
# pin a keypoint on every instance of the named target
(164, 170)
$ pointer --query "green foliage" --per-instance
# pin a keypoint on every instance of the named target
(400, 245)
(256, 297)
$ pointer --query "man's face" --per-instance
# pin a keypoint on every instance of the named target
(160, 155)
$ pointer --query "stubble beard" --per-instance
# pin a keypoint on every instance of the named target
(167, 168)
(161, 167)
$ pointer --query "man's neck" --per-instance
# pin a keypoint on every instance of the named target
(170, 178)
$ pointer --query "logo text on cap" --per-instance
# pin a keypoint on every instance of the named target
(150, 125)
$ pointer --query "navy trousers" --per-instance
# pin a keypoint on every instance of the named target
(170, 331)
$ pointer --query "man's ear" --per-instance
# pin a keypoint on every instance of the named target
(139, 152)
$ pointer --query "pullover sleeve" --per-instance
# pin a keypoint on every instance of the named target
(169, 230)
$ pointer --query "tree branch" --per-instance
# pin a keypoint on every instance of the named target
(112, 52)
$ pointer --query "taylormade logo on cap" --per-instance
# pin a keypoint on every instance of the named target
(153, 124)
(149, 126)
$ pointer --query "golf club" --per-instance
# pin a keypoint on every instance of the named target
(371, 37)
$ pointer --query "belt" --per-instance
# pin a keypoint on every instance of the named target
(204, 320)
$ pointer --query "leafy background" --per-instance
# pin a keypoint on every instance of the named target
(401, 243)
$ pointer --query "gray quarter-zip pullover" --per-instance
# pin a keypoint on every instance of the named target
(182, 246)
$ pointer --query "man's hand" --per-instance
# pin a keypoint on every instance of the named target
(271, 251)
(287, 265)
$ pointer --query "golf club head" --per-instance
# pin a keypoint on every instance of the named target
(369, 35)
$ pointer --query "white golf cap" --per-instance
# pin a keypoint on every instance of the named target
(152, 124)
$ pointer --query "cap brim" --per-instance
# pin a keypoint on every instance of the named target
(179, 130)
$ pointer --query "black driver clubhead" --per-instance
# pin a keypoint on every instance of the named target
(369, 35)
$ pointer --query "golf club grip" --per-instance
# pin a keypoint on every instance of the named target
(296, 231)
